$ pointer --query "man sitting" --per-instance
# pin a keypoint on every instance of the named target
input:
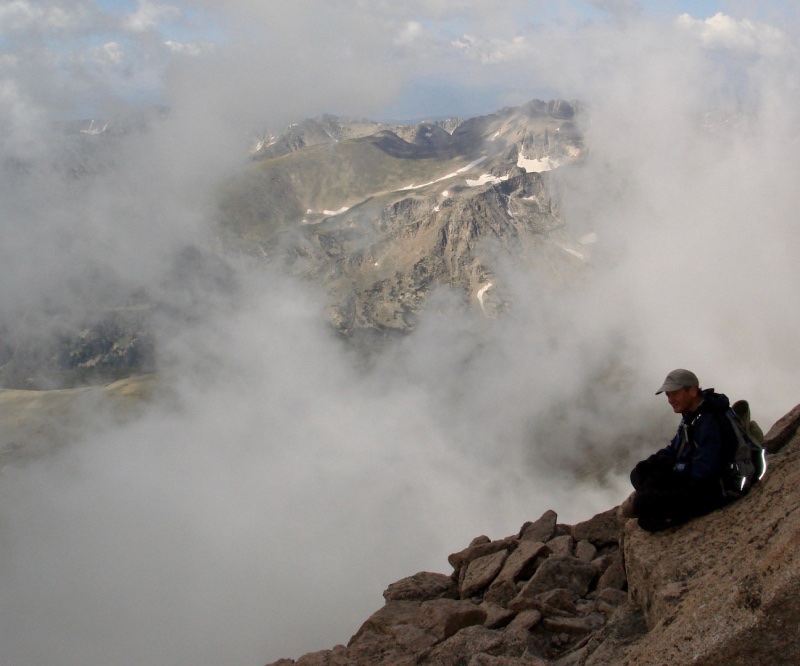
(683, 480)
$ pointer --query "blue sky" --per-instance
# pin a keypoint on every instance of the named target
(698, 8)
(422, 58)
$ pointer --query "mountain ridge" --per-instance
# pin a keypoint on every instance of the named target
(378, 217)
(331, 208)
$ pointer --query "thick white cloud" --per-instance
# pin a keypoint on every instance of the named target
(726, 32)
(260, 511)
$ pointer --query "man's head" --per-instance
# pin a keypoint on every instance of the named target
(683, 391)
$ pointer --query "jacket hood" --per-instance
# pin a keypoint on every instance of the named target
(714, 402)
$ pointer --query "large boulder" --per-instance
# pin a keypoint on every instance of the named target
(481, 573)
(601, 530)
(560, 571)
(422, 586)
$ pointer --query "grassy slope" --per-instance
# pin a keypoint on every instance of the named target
(34, 423)
(277, 193)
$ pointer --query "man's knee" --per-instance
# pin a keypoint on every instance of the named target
(657, 523)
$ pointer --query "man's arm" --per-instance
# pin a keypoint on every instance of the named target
(657, 467)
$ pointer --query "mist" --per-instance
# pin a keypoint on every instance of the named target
(260, 505)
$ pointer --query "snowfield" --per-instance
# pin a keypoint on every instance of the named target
(536, 166)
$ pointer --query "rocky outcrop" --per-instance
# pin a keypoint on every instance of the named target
(327, 128)
(379, 262)
(67, 343)
(725, 588)
(722, 589)
(784, 429)
(114, 346)
(528, 598)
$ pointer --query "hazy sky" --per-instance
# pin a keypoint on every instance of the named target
(262, 510)
(426, 57)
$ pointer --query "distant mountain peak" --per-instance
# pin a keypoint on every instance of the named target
(333, 194)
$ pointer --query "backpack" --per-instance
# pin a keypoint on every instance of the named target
(749, 463)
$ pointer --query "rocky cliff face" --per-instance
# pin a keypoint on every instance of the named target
(381, 219)
(722, 589)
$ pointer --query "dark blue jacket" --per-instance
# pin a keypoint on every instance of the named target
(705, 438)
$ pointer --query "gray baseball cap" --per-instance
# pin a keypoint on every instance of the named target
(678, 379)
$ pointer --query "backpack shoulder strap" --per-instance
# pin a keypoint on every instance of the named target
(750, 454)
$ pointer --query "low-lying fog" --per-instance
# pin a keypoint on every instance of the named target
(261, 508)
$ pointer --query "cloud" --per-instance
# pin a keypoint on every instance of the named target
(192, 49)
(494, 52)
(410, 33)
(150, 15)
(259, 508)
(83, 59)
(110, 53)
(618, 7)
(19, 15)
(743, 35)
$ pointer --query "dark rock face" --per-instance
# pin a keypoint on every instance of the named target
(114, 347)
(722, 589)
(114, 334)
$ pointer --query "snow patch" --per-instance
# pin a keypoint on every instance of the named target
(262, 143)
(486, 179)
(574, 253)
(481, 293)
(92, 129)
(449, 175)
(331, 213)
(588, 239)
(473, 164)
(536, 166)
